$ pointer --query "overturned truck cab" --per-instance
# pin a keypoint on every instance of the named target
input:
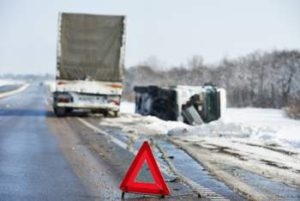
(191, 104)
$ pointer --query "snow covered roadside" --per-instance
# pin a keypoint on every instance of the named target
(145, 125)
(262, 143)
(247, 141)
(127, 107)
(4, 82)
(13, 82)
(268, 126)
(50, 84)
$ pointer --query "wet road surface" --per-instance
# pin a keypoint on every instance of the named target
(32, 167)
(6, 88)
(47, 158)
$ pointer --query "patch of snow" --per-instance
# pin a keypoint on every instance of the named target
(145, 125)
(262, 141)
(267, 125)
(163, 127)
(51, 84)
(127, 107)
(4, 82)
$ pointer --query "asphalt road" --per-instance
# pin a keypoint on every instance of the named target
(6, 88)
(43, 157)
(32, 167)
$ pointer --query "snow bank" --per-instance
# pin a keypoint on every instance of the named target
(161, 126)
(267, 125)
(127, 107)
(270, 126)
(145, 125)
(51, 84)
(4, 82)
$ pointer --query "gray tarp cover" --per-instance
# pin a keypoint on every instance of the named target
(89, 47)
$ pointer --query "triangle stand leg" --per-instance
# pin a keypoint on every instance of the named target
(123, 195)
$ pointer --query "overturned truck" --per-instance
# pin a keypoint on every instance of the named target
(190, 104)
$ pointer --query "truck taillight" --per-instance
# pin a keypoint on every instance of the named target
(116, 102)
(64, 100)
(116, 86)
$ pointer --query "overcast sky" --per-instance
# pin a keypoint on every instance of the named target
(170, 30)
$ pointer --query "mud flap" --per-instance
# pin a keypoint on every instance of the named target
(191, 116)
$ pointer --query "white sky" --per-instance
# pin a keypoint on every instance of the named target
(170, 30)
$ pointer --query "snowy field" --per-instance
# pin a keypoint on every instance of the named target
(253, 150)
(269, 126)
(4, 82)
(7, 89)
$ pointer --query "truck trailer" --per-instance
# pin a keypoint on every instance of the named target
(90, 59)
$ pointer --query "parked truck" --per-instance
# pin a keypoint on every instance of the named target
(189, 104)
(90, 52)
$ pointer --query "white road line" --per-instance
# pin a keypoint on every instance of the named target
(112, 138)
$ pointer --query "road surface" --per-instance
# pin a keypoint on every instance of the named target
(43, 157)
(32, 167)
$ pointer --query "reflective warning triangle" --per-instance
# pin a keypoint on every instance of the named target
(129, 183)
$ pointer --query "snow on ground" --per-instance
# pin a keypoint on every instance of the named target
(146, 125)
(262, 141)
(23, 85)
(247, 141)
(127, 107)
(269, 126)
(4, 82)
(51, 84)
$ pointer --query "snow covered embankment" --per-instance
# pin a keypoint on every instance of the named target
(262, 143)
(269, 126)
(4, 83)
(247, 141)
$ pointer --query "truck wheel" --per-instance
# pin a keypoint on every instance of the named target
(116, 113)
(60, 111)
(69, 110)
(105, 113)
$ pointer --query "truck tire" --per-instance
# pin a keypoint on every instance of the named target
(105, 113)
(69, 110)
(116, 113)
(60, 111)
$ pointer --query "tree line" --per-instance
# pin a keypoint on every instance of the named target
(259, 79)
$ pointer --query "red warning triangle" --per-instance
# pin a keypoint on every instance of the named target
(129, 183)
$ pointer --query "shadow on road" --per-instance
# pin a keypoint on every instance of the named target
(16, 112)
(23, 112)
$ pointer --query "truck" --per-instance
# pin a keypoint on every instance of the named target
(90, 61)
(190, 104)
